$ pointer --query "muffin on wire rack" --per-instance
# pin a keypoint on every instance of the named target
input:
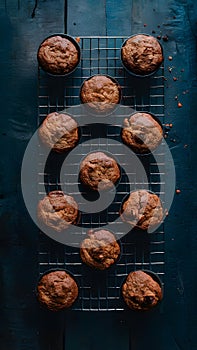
(57, 211)
(142, 132)
(99, 249)
(142, 55)
(142, 209)
(59, 54)
(57, 290)
(59, 132)
(101, 94)
(142, 290)
(98, 171)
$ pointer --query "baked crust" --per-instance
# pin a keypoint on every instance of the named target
(141, 291)
(100, 249)
(57, 290)
(99, 171)
(58, 210)
(58, 55)
(59, 132)
(100, 92)
(142, 132)
(142, 54)
(142, 209)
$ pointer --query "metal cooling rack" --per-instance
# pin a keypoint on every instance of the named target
(101, 290)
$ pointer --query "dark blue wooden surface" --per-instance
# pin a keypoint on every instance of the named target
(23, 324)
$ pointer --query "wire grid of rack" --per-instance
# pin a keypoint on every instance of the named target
(102, 290)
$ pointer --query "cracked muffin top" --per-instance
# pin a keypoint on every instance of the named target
(57, 210)
(142, 54)
(59, 132)
(58, 55)
(142, 132)
(57, 290)
(100, 249)
(140, 291)
(143, 210)
(100, 92)
(99, 171)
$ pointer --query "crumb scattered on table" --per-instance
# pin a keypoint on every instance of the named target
(165, 38)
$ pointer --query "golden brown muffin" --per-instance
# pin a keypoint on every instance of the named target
(100, 249)
(58, 210)
(141, 291)
(58, 55)
(59, 132)
(99, 171)
(101, 93)
(142, 209)
(142, 54)
(57, 290)
(142, 132)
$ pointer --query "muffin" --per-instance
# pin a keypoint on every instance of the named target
(57, 211)
(57, 290)
(59, 132)
(100, 249)
(142, 209)
(101, 93)
(59, 54)
(142, 54)
(99, 171)
(142, 132)
(141, 291)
